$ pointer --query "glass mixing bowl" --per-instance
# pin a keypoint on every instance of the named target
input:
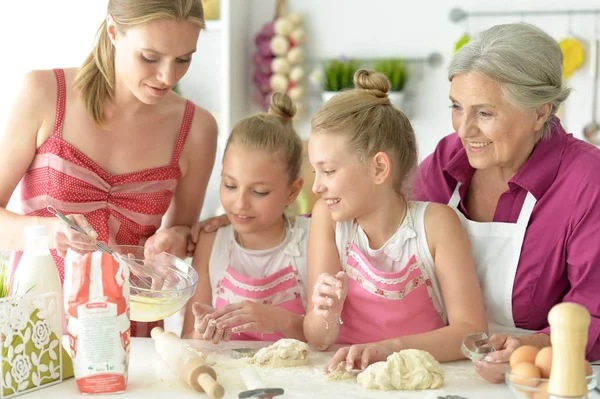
(159, 286)
(537, 388)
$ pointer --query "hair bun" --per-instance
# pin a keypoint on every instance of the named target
(282, 105)
(375, 83)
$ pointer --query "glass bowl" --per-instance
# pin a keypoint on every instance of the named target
(159, 286)
(537, 388)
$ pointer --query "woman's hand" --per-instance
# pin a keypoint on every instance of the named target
(65, 237)
(208, 226)
(172, 240)
(248, 316)
(329, 295)
(358, 357)
(206, 325)
(493, 366)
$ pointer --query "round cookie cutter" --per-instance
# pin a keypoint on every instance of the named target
(476, 347)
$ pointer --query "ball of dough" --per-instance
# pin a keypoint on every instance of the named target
(410, 369)
(286, 352)
(279, 45)
(340, 373)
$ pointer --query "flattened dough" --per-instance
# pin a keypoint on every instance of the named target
(410, 369)
(283, 353)
(340, 373)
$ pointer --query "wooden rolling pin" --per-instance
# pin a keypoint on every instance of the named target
(187, 362)
(569, 323)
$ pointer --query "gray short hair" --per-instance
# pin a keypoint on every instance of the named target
(524, 59)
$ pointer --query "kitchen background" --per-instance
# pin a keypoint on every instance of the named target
(40, 34)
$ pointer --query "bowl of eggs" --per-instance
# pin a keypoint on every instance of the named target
(530, 369)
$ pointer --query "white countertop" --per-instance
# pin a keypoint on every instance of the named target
(150, 377)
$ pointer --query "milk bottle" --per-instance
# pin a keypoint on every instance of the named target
(37, 272)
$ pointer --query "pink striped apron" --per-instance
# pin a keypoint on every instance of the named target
(282, 289)
(382, 305)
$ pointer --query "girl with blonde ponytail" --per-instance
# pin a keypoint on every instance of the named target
(252, 273)
(376, 258)
(110, 144)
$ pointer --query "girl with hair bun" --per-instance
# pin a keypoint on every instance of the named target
(385, 273)
(252, 272)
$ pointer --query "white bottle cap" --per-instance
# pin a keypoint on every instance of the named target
(37, 231)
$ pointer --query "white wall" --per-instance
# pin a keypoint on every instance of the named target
(44, 34)
(379, 28)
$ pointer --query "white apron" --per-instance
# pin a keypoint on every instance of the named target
(496, 249)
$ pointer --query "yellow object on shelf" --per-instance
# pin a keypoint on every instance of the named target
(211, 9)
(573, 55)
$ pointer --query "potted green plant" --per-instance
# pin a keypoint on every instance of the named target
(335, 75)
(4, 272)
(395, 70)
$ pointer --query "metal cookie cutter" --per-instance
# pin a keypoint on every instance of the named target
(238, 353)
(475, 346)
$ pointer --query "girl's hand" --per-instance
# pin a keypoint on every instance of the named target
(493, 366)
(329, 295)
(65, 237)
(358, 357)
(206, 325)
(248, 316)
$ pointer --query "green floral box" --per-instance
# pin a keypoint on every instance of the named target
(30, 333)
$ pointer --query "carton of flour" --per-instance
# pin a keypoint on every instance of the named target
(96, 300)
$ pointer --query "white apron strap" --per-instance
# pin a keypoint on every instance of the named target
(455, 199)
(526, 210)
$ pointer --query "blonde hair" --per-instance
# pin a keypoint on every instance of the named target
(272, 132)
(524, 59)
(96, 77)
(366, 115)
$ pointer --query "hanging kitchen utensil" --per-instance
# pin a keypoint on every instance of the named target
(573, 50)
(573, 55)
(591, 131)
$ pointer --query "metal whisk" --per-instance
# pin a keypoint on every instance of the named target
(145, 277)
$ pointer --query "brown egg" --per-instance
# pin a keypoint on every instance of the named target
(588, 368)
(523, 373)
(543, 361)
(523, 354)
(542, 391)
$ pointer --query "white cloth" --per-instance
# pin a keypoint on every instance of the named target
(496, 249)
(261, 263)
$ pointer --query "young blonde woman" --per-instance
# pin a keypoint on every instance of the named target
(110, 144)
(252, 273)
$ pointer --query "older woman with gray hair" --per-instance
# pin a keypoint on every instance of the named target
(527, 192)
